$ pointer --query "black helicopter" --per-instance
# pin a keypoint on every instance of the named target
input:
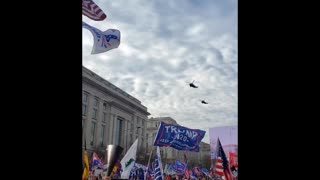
(192, 85)
(204, 102)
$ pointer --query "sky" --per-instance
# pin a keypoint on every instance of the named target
(165, 44)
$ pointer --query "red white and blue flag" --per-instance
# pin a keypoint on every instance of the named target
(222, 164)
(92, 10)
(96, 161)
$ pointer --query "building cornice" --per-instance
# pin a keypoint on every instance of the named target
(116, 96)
(119, 106)
(109, 85)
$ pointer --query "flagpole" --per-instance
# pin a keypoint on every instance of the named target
(145, 174)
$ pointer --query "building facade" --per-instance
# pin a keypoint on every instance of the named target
(201, 158)
(110, 115)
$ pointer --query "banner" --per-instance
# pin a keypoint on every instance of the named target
(179, 137)
(228, 136)
(103, 41)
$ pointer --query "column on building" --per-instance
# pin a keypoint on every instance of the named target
(111, 128)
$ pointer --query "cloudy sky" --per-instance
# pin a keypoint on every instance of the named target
(166, 43)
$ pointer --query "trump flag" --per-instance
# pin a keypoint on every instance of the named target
(103, 41)
(179, 137)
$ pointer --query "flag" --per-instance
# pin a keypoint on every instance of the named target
(180, 167)
(103, 41)
(140, 174)
(187, 173)
(179, 137)
(85, 174)
(92, 10)
(96, 161)
(133, 172)
(128, 160)
(158, 171)
(205, 171)
(222, 165)
(177, 177)
(196, 171)
(117, 169)
(169, 169)
(150, 173)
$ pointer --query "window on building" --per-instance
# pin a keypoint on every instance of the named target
(104, 106)
(147, 140)
(118, 131)
(156, 124)
(94, 114)
(104, 119)
(96, 102)
(92, 133)
(102, 135)
(84, 109)
(142, 122)
(85, 97)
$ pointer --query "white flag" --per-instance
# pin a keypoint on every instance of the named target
(158, 166)
(128, 160)
(103, 41)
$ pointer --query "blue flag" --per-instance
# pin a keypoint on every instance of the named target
(179, 137)
(180, 167)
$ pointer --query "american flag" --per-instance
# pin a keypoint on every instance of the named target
(149, 175)
(205, 171)
(92, 11)
(197, 171)
(96, 161)
(222, 164)
(187, 173)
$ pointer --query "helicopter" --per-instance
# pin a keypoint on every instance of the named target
(191, 84)
(204, 102)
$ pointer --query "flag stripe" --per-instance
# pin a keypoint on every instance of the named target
(92, 11)
(222, 166)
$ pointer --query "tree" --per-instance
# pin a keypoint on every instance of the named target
(141, 156)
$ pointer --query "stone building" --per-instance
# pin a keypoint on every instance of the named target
(110, 115)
